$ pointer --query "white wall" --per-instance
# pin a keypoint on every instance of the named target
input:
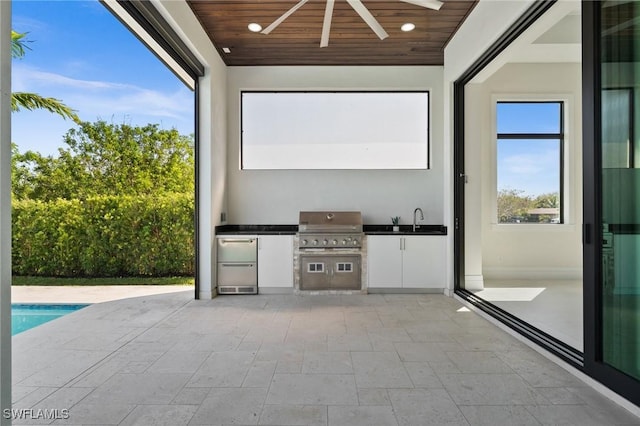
(212, 134)
(486, 22)
(277, 196)
(522, 250)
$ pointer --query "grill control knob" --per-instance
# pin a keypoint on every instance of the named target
(315, 242)
(305, 242)
(325, 242)
(355, 242)
(335, 242)
(344, 242)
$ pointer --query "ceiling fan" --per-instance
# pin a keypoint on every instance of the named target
(360, 8)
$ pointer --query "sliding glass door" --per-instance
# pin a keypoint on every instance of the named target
(620, 58)
(612, 231)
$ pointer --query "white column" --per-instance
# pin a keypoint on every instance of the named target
(5, 210)
(206, 238)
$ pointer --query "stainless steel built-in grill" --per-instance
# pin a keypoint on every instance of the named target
(329, 250)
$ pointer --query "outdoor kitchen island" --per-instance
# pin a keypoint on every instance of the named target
(384, 261)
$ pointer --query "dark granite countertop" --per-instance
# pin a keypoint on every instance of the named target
(257, 229)
(293, 229)
(405, 230)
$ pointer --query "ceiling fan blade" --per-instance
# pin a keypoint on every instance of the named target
(283, 17)
(326, 25)
(429, 4)
(368, 18)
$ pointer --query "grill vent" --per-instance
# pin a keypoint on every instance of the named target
(237, 290)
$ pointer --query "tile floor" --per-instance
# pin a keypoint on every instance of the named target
(293, 360)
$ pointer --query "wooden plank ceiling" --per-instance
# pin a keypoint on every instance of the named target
(351, 42)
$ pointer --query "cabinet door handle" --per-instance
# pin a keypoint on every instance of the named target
(235, 240)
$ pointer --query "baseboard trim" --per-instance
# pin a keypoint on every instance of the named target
(394, 290)
(275, 290)
(205, 295)
(474, 282)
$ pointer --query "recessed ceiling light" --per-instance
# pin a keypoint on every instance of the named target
(226, 50)
(408, 27)
(253, 27)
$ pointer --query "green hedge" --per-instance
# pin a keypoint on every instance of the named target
(106, 236)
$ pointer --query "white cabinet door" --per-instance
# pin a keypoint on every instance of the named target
(275, 261)
(423, 261)
(385, 261)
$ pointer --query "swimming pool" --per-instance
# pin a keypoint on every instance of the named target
(26, 316)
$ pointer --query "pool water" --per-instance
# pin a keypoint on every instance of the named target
(26, 316)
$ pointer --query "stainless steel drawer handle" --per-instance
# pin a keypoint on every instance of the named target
(237, 241)
(244, 265)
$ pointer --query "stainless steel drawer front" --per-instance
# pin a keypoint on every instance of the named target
(235, 274)
(237, 250)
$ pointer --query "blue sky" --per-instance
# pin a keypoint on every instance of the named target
(532, 166)
(81, 54)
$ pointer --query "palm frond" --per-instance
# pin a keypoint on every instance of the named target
(31, 101)
(18, 44)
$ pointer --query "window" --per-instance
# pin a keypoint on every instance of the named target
(335, 130)
(530, 139)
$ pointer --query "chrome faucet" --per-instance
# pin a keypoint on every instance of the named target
(414, 217)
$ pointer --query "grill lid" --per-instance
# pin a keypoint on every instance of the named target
(327, 221)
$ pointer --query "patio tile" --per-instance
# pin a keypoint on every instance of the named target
(423, 407)
(419, 352)
(63, 370)
(373, 397)
(490, 389)
(96, 414)
(63, 398)
(346, 360)
(313, 389)
(422, 375)
(36, 394)
(178, 362)
(191, 396)
(537, 370)
(327, 363)
(379, 370)
(294, 415)
(349, 342)
(289, 367)
(492, 415)
(361, 416)
(578, 415)
(222, 369)
(230, 406)
(478, 362)
(160, 415)
(260, 374)
(146, 388)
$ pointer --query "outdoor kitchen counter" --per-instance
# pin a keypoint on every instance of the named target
(257, 229)
(405, 230)
(293, 229)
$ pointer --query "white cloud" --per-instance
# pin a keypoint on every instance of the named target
(94, 98)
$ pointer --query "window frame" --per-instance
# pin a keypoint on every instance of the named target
(561, 137)
(429, 122)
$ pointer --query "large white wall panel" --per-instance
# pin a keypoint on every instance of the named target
(276, 196)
